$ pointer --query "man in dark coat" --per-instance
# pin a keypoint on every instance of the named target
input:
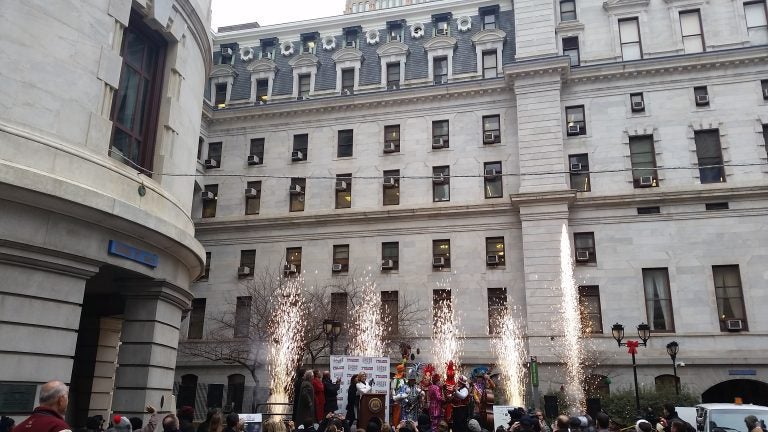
(331, 391)
(305, 406)
(49, 415)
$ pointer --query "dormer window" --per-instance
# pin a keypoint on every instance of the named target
(442, 24)
(395, 31)
(268, 48)
(350, 38)
(220, 98)
(489, 17)
(308, 43)
(227, 54)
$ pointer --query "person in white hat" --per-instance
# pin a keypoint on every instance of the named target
(460, 402)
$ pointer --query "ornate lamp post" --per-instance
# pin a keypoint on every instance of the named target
(644, 333)
(672, 349)
(332, 330)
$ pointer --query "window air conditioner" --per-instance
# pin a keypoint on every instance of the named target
(582, 255)
(734, 324)
(350, 44)
(575, 167)
(346, 92)
(438, 179)
(387, 264)
(289, 269)
(253, 160)
(243, 271)
(336, 268)
(301, 98)
(393, 86)
(492, 260)
(226, 52)
(441, 32)
(296, 190)
(251, 193)
(389, 182)
(491, 174)
(211, 163)
(297, 155)
(341, 185)
(574, 130)
(438, 262)
(389, 147)
(437, 143)
(395, 38)
(207, 195)
(489, 137)
(269, 55)
(646, 181)
(702, 100)
(638, 106)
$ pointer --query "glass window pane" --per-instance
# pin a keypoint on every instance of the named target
(689, 23)
(693, 44)
(628, 30)
(755, 14)
(631, 51)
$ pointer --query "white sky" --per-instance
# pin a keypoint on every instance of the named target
(268, 12)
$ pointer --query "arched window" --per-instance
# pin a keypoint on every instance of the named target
(666, 382)
(187, 391)
(367, 7)
(235, 392)
(354, 7)
(597, 386)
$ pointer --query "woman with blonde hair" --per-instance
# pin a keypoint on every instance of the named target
(217, 422)
(274, 425)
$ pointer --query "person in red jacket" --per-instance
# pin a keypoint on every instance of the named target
(49, 415)
(319, 389)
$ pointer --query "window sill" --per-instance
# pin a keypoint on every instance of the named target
(583, 264)
(497, 267)
(341, 158)
(441, 270)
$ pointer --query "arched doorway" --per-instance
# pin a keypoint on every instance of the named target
(750, 391)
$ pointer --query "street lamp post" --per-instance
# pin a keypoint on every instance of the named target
(332, 330)
(672, 349)
(644, 333)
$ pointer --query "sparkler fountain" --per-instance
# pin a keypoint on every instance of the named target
(367, 330)
(510, 358)
(446, 337)
(287, 337)
(571, 349)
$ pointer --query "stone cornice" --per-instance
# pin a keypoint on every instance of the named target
(658, 196)
(262, 65)
(439, 42)
(223, 70)
(347, 54)
(669, 64)
(569, 27)
(304, 60)
(392, 48)
(484, 36)
(619, 5)
(549, 65)
(156, 289)
(542, 198)
(54, 261)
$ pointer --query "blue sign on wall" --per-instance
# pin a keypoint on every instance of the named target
(133, 253)
(742, 372)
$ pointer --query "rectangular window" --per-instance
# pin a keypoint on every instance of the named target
(441, 305)
(490, 64)
(247, 263)
(440, 134)
(576, 121)
(343, 191)
(207, 268)
(196, 319)
(710, 156)
(390, 256)
(393, 75)
(220, 99)
(339, 301)
(341, 258)
(226, 55)
(441, 254)
(253, 197)
(267, 49)
(441, 184)
(298, 194)
(257, 150)
(497, 307)
(491, 129)
(643, 159)
(243, 316)
(395, 32)
(391, 187)
(629, 34)
(350, 39)
(440, 70)
(589, 306)
(757, 25)
(648, 210)
(392, 139)
(214, 154)
(304, 84)
(579, 169)
(489, 21)
(701, 96)
(584, 248)
(262, 91)
(638, 102)
(390, 308)
(492, 180)
(494, 251)
(763, 90)
(300, 147)
(442, 26)
(200, 143)
(690, 25)
(658, 300)
(729, 296)
(210, 196)
(567, 10)
(308, 44)
(765, 136)
(571, 49)
(344, 144)
(716, 206)
(347, 81)
(293, 258)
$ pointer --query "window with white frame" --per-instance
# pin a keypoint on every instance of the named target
(440, 68)
(757, 24)
(567, 10)
(658, 300)
(571, 49)
(629, 34)
(490, 64)
(690, 26)
(710, 156)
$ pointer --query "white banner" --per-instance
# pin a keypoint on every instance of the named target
(345, 367)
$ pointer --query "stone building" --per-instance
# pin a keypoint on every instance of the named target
(445, 146)
(100, 100)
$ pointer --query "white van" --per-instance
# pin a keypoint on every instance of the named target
(722, 417)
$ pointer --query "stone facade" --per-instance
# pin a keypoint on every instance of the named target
(538, 147)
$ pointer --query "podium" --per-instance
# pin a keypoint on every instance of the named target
(371, 405)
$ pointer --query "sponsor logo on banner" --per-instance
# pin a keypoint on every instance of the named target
(368, 368)
(367, 360)
(353, 360)
(353, 368)
(336, 368)
(380, 361)
(381, 368)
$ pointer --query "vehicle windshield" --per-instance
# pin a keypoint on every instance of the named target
(733, 420)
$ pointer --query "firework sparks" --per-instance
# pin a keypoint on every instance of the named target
(287, 338)
(511, 356)
(367, 329)
(446, 337)
(571, 349)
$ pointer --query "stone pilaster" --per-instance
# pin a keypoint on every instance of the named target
(534, 29)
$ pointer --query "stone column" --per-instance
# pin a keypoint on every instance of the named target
(106, 364)
(149, 339)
